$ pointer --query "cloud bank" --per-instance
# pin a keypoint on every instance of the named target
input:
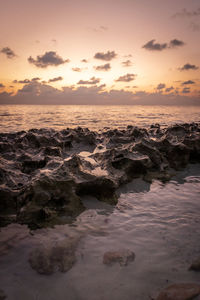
(40, 93)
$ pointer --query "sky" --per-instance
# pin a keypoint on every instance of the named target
(100, 52)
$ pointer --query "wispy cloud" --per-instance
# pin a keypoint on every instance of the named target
(2, 85)
(187, 67)
(127, 63)
(160, 86)
(50, 58)
(126, 78)
(185, 13)
(55, 79)
(8, 52)
(91, 81)
(188, 82)
(105, 67)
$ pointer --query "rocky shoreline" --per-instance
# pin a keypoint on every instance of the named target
(44, 173)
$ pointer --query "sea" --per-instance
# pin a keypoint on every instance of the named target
(159, 222)
(24, 117)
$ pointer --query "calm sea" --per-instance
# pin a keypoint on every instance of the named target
(24, 117)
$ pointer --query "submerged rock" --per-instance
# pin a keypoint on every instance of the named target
(48, 259)
(181, 291)
(123, 257)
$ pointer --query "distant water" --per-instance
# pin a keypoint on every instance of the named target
(24, 117)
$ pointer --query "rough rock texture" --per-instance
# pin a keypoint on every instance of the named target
(44, 173)
(195, 266)
(181, 291)
(2, 295)
(48, 259)
(123, 257)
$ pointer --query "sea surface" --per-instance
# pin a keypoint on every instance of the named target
(24, 117)
(159, 222)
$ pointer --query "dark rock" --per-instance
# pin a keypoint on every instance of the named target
(123, 257)
(102, 188)
(195, 266)
(181, 291)
(2, 295)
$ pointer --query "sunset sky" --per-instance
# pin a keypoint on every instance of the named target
(100, 52)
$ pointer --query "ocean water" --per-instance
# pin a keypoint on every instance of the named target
(24, 117)
(159, 222)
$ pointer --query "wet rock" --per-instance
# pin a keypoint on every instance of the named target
(195, 266)
(2, 295)
(43, 173)
(123, 257)
(52, 151)
(181, 291)
(29, 166)
(102, 188)
(48, 259)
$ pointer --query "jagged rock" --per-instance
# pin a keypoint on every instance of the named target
(102, 188)
(2, 295)
(48, 259)
(181, 291)
(43, 171)
(123, 257)
(195, 266)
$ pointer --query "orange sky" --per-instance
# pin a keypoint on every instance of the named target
(131, 45)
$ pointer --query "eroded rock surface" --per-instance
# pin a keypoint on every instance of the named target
(48, 259)
(123, 257)
(195, 266)
(44, 173)
(181, 291)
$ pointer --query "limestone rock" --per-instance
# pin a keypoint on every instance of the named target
(48, 259)
(123, 257)
(181, 291)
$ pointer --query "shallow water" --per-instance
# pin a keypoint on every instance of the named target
(159, 222)
(24, 117)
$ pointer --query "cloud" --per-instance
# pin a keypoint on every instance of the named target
(152, 46)
(126, 78)
(84, 60)
(167, 90)
(127, 63)
(92, 81)
(8, 52)
(76, 69)
(50, 58)
(185, 13)
(109, 55)
(55, 79)
(99, 29)
(194, 26)
(105, 67)
(2, 85)
(160, 86)
(25, 81)
(39, 93)
(188, 82)
(186, 90)
(187, 67)
(176, 43)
